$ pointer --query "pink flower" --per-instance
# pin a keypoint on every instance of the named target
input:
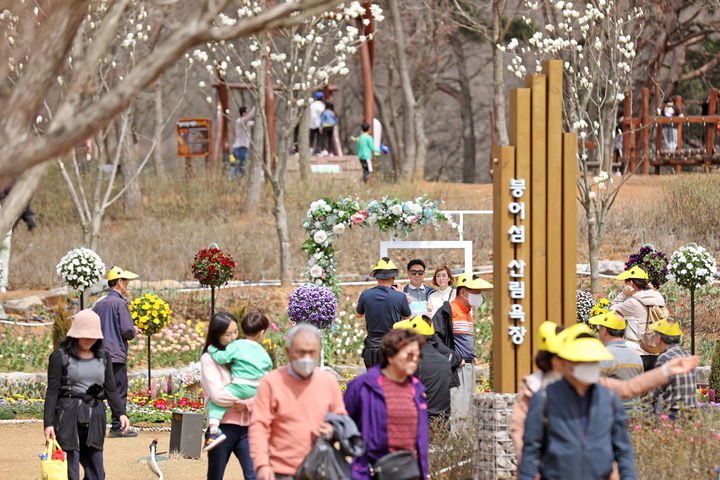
(357, 219)
(691, 439)
(658, 431)
(698, 423)
(274, 327)
(716, 436)
(636, 428)
(677, 430)
(664, 418)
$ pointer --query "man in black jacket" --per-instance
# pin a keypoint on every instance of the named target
(436, 367)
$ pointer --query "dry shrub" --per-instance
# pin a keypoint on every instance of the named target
(179, 217)
(61, 324)
(680, 450)
(451, 450)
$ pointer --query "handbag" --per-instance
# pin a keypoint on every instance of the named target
(53, 464)
(400, 465)
(324, 462)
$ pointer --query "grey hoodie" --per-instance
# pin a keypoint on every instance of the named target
(635, 311)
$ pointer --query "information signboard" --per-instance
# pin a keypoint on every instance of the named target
(193, 137)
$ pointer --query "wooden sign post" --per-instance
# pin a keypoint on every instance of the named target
(534, 221)
(193, 140)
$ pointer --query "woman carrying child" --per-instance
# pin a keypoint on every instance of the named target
(230, 391)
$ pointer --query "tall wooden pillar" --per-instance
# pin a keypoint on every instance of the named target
(534, 225)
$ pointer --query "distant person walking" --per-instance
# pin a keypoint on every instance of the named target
(328, 120)
(317, 107)
(365, 149)
(242, 140)
(80, 376)
(670, 131)
(117, 327)
(28, 216)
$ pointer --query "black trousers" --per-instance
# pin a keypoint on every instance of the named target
(91, 460)
(649, 361)
(237, 443)
(121, 384)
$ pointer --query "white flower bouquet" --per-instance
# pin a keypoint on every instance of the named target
(691, 266)
(80, 268)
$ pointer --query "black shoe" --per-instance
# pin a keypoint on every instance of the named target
(120, 434)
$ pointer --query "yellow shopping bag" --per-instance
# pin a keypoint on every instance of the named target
(54, 464)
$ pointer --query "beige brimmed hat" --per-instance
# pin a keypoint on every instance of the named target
(86, 324)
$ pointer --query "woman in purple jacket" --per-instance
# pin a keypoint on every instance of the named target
(388, 404)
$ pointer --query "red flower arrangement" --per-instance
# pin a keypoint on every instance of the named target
(212, 267)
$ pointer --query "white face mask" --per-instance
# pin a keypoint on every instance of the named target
(588, 372)
(475, 299)
(303, 366)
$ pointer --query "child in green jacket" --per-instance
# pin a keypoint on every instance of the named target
(249, 362)
(365, 148)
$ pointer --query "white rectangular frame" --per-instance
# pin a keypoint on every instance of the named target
(465, 245)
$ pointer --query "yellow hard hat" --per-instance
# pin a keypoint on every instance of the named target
(546, 334)
(585, 349)
(117, 272)
(663, 326)
(418, 324)
(555, 342)
(609, 320)
(472, 282)
(634, 272)
(385, 269)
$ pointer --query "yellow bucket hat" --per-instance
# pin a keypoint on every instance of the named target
(418, 324)
(384, 269)
(117, 272)
(609, 320)
(472, 282)
(634, 272)
(546, 334)
(663, 326)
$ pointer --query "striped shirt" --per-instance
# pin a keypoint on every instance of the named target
(680, 391)
(626, 364)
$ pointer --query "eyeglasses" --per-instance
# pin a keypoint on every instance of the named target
(412, 356)
(417, 272)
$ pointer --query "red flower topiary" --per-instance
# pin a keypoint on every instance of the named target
(212, 267)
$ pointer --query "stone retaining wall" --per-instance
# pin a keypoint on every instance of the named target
(495, 454)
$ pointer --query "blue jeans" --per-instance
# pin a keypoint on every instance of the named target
(237, 443)
(240, 154)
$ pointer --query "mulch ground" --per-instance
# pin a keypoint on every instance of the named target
(20, 445)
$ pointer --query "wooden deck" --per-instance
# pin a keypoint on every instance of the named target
(346, 167)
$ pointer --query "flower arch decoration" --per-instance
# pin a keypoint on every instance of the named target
(327, 219)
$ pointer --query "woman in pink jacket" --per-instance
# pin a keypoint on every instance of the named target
(223, 329)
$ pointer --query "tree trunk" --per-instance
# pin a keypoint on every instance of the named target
(158, 137)
(408, 96)
(501, 130)
(466, 110)
(303, 144)
(421, 143)
(20, 196)
(255, 172)
(283, 233)
(593, 249)
(133, 195)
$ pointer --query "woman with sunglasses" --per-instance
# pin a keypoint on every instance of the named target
(389, 407)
